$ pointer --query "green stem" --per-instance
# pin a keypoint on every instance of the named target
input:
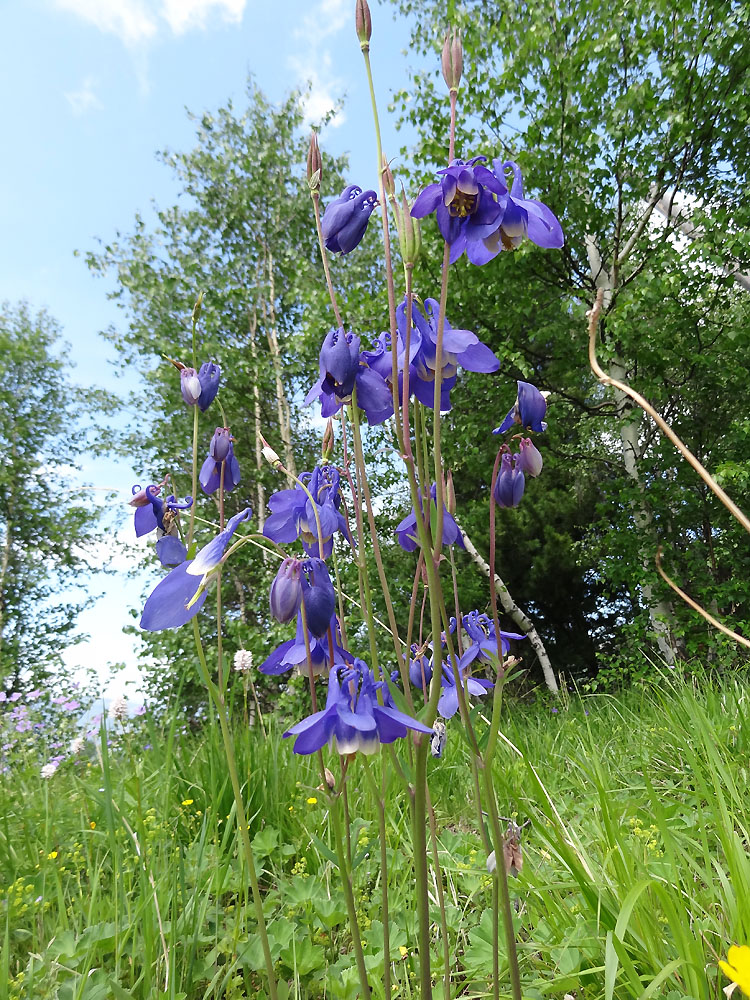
(346, 879)
(194, 488)
(380, 796)
(218, 701)
(323, 256)
(441, 901)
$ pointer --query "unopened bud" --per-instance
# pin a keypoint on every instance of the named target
(314, 164)
(328, 441)
(389, 185)
(363, 23)
(268, 453)
(197, 308)
(409, 233)
(450, 494)
(330, 780)
(453, 60)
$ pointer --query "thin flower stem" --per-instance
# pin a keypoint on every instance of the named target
(191, 526)
(346, 880)
(380, 794)
(401, 657)
(323, 256)
(219, 638)
(218, 701)
(405, 432)
(441, 901)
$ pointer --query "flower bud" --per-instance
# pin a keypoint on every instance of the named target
(314, 164)
(328, 441)
(363, 23)
(389, 185)
(208, 376)
(318, 596)
(330, 780)
(268, 453)
(450, 494)
(452, 60)
(529, 458)
(510, 483)
(220, 444)
(286, 591)
(190, 386)
(409, 233)
(198, 307)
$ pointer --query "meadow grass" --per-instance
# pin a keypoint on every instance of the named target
(120, 874)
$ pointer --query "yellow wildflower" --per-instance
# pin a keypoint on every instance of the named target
(52, 855)
(738, 967)
(187, 802)
(312, 801)
(403, 951)
(92, 824)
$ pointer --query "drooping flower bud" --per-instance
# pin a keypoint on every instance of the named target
(314, 164)
(318, 596)
(268, 453)
(530, 459)
(330, 780)
(220, 444)
(190, 386)
(453, 60)
(510, 483)
(363, 23)
(286, 591)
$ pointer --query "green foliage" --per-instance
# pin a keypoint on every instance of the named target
(48, 526)
(635, 870)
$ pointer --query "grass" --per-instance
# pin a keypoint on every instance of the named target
(120, 876)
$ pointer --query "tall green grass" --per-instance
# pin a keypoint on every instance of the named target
(120, 875)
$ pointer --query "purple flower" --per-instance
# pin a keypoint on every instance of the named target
(166, 606)
(481, 631)
(448, 704)
(293, 653)
(420, 669)
(523, 217)
(286, 591)
(345, 219)
(528, 410)
(199, 388)
(209, 557)
(153, 513)
(304, 582)
(408, 538)
(220, 453)
(469, 201)
(342, 370)
(293, 515)
(352, 719)
(510, 483)
(461, 348)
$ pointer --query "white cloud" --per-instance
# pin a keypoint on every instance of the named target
(187, 15)
(137, 22)
(325, 19)
(133, 21)
(83, 100)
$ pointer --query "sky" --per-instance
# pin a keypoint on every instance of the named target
(92, 89)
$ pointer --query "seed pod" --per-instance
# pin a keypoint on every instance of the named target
(363, 23)
(314, 164)
(452, 60)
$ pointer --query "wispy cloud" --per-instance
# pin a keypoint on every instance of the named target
(137, 22)
(84, 100)
(315, 67)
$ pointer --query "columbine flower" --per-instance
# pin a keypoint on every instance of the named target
(199, 388)
(469, 202)
(293, 517)
(529, 459)
(220, 453)
(481, 631)
(352, 719)
(528, 410)
(737, 967)
(167, 605)
(408, 538)
(510, 483)
(461, 348)
(345, 219)
(293, 653)
(523, 217)
(209, 557)
(342, 369)
(448, 704)
(303, 582)
(153, 513)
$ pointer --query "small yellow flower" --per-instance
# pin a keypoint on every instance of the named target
(403, 951)
(312, 801)
(52, 855)
(187, 802)
(737, 968)
(92, 824)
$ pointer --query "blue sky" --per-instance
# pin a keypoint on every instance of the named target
(92, 89)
